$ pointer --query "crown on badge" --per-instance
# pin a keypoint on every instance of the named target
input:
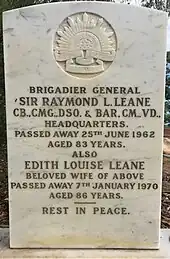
(84, 42)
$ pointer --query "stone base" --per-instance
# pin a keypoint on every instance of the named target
(162, 253)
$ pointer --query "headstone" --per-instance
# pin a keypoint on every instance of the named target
(168, 36)
(84, 98)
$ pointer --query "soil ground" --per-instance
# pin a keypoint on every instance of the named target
(165, 220)
(3, 187)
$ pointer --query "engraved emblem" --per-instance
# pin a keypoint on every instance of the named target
(85, 45)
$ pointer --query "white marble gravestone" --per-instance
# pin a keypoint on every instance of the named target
(85, 99)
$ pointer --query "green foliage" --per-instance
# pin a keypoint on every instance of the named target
(163, 5)
(167, 92)
(156, 4)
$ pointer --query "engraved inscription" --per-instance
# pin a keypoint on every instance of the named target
(85, 45)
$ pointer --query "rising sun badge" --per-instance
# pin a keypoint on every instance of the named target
(85, 45)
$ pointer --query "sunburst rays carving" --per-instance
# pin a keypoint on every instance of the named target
(84, 41)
